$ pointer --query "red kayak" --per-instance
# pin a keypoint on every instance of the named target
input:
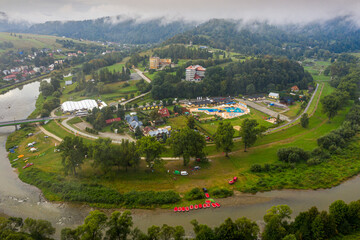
(179, 209)
(217, 204)
(207, 195)
(191, 207)
(187, 209)
(183, 209)
(200, 205)
(204, 205)
(208, 201)
(196, 207)
(208, 205)
(213, 205)
(175, 209)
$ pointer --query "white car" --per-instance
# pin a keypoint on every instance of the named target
(184, 173)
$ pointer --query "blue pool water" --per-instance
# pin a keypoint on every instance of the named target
(227, 109)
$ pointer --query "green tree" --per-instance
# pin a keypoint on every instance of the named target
(93, 226)
(46, 88)
(190, 122)
(38, 229)
(331, 105)
(304, 120)
(138, 133)
(187, 143)
(69, 234)
(167, 232)
(224, 137)
(323, 226)
(101, 152)
(179, 233)
(203, 232)
(248, 230)
(73, 153)
(339, 211)
(154, 233)
(119, 226)
(149, 147)
(249, 132)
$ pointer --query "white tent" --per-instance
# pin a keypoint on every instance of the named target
(70, 106)
(33, 149)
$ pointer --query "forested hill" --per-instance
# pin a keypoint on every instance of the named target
(114, 29)
(6, 24)
(313, 39)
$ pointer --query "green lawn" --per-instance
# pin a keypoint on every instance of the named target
(211, 126)
(112, 92)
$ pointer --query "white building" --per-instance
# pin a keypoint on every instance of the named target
(195, 73)
(274, 95)
(71, 106)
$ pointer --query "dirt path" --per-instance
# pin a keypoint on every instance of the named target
(49, 133)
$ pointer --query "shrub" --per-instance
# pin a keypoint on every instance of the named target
(292, 155)
(95, 193)
(255, 168)
(194, 194)
(222, 193)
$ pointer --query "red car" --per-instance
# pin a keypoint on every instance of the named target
(207, 195)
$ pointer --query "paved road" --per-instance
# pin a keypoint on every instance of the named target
(266, 110)
(49, 133)
(294, 120)
(142, 75)
(115, 137)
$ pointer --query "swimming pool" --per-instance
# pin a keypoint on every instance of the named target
(233, 109)
(209, 109)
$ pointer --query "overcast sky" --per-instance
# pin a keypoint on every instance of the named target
(276, 11)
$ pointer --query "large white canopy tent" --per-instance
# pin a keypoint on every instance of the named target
(71, 106)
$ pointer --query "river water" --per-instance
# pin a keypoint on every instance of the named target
(23, 200)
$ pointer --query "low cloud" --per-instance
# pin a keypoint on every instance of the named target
(273, 11)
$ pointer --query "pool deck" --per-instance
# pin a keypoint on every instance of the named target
(225, 113)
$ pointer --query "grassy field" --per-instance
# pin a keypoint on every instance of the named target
(29, 41)
(112, 92)
(211, 126)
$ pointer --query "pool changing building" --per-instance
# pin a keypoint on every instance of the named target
(84, 105)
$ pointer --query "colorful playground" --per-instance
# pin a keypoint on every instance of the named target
(226, 111)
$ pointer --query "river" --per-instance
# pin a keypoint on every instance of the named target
(23, 200)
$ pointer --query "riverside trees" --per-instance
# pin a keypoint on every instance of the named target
(187, 143)
(224, 137)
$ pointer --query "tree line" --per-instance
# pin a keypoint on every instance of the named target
(181, 52)
(340, 220)
(249, 77)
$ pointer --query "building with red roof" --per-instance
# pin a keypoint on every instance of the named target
(164, 112)
(295, 88)
(195, 73)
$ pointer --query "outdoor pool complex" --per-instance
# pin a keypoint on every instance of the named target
(225, 111)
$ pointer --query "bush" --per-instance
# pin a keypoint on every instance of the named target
(90, 130)
(255, 168)
(222, 193)
(292, 155)
(194, 194)
(95, 193)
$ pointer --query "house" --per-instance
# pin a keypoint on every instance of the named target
(295, 88)
(256, 97)
(36, 69)
(147, 129)
(194, 73)
(67, 83)
(9, 77)
(156, 62)
(159, 132)
(133, 122)
(6, 72)
(288, 100)
(164, 112)
(274, 95)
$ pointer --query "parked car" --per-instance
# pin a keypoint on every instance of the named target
(184, 173)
